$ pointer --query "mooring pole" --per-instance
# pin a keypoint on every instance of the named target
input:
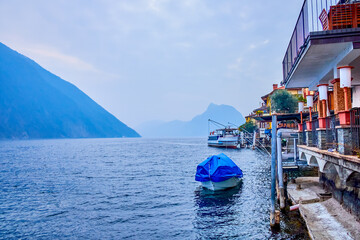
(280, 170)
(254, 140)
(273, 170)
(295, 150)
(242, 139)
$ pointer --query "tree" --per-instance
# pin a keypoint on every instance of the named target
(283, 102)
(248, 126)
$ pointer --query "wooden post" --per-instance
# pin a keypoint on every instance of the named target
(324, 108)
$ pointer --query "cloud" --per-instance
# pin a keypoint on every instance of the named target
(237, 65)
(147, 44)
(72, 61)
(49, 57)
(257, 45)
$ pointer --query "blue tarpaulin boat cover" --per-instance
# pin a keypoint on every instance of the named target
(217, 168)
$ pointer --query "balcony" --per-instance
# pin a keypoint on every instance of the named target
(325, 34)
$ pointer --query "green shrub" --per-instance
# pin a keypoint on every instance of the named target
(248, 126)
(283, 102)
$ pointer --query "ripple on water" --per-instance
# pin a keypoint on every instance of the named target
(130, 189)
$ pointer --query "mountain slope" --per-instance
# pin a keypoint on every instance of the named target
(35, 103)
(196, 127)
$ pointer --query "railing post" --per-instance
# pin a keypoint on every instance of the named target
(280, 170)
(273, 223)
(295, 149)
(254, 141)
(242, 139)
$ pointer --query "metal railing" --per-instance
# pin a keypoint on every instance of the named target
(312, 18)
(248, 138)
(314, 133)
(355, 129)
(304, 133)
(331, 133)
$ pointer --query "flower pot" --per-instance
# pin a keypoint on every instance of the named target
(344, 117)
(308, 126)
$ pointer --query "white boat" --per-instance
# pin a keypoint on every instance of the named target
(216, 186)
(224, 138)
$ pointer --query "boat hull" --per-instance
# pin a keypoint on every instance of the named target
(216, 186)
(224, 143)
(222, 146)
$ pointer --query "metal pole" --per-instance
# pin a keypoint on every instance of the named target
(295, 150)
(273, 170)
(280, 170)
(254, 140)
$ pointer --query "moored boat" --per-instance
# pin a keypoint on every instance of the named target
(218, 172)
(224, 138)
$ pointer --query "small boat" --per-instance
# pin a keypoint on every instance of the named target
(218, 172)
(224, 138)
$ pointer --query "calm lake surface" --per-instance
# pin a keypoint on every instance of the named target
(131, 189)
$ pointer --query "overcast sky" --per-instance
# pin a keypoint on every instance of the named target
(156, 59)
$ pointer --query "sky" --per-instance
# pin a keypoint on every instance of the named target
(146, 60)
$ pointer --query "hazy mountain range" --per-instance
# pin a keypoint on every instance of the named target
(196, 127)
(35, 103)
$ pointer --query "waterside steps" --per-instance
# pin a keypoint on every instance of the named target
(325, 218)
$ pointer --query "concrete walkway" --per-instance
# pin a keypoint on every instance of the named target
(324, 219)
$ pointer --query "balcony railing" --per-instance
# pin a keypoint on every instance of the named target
(314, 133)
(331, 133)
(318, 15)
(304, 133)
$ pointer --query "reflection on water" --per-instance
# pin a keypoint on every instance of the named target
(215, 211)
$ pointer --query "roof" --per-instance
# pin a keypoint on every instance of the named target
(260, 108)
(282, 117)
(265, 96)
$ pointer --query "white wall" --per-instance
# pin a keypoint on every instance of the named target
(356, 96)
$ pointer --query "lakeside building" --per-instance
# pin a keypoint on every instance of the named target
(324, 56)
(261, 116)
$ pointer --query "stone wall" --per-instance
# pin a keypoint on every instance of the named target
(349, 197)
(344, 140)
(309, 141)
(322, 144)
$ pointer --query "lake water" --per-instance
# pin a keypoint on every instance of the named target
(131, 189)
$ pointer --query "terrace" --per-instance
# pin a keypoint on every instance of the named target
(326, 34)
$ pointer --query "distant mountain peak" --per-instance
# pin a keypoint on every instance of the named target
(196, 127)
